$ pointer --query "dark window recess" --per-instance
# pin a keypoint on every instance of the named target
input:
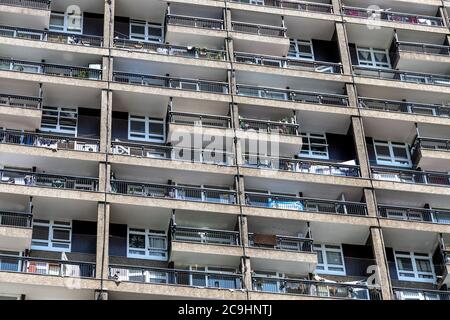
(357, 259)
(326, 51)
(84, 236)
(353, 53)
(118, 240)
(119, 126)
(122, 27)
(93, 24)
(341, 147)
(371, 151)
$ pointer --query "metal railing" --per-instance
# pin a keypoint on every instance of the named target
(20, 101)
(263, 200)
(208, 236)
(47, 267)
(51, 36)
(420, 294)
(165, 191)
(294, 5)
(405, 107)
(410, 176)
(291, 95)
(414, 214)
(175, 277)
(284, 243)
(387, 15)
(405, 76)
(50, 69)
(280, 127)
(48, 141)
(33, 179)
(288, 63)
(15, 219)
(199, 119)
(34, 4)
(196, 22)
(259, 29)
(437, 144)
(314, 288)
(169, 82)
(170, 50)
(301, 165)
(423, 48)
(207, 156)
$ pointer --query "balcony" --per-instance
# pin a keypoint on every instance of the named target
(198, 119)
(445, 250)
(195, 31)
(15, 230)
(431, 153)
(414, 214)
(314, 288)
(419, 294)
(191, 246)
(292, 5)
(20, 112)
(30, 13)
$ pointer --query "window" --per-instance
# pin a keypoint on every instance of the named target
(144, 128)
(413, 266)
(314, 146)
(392, 153)
(370, 57)
(301, 49)
(213, 277)
(69, 22)
(60, 120)
(330, 259)
(9, 263)
(51, 235)
(146, 31)
(147, 244)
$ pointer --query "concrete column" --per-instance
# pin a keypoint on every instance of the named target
(443, 13)
(104, 177)
(369, 195)
(102, 260)
(343, 48)
(336, 6)
(352, 95)
(239, 183)
(227, 19)
(105, 121)
(360, 145)
(100, 295)
(108, 25)
(107, 68)
(381, 260)
(243, 229)
(247, 273)
(237, 142)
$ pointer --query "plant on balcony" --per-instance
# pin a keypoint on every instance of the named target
(83, 74)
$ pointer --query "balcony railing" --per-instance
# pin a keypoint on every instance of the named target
(282, 243)
(164, 191)
(423, 48)
(34, 4)
(170, 50)
(405, 107)
(420, 294)
(294, 5)
(51, 36)
(47, 267)
(20, 101)
(292, 95)
(207, 236)
(15, 219)
(267, 126)
(175, 277)
(301, 165)
(414, 214)
(169, 82)
(32, 179)
(50, 69)
(198, 119)
(207, 156)
(404, 76)
(305, 204)
(53, 142)
(287, 63)
(436, 144)
(387, 15)
(195, 22)
(314, 288)
(411, 176)
(259, 29)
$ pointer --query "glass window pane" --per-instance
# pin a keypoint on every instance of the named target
(423, 265)
(40, 232)
(404, 264)
(137, 241)
(137, 126)
(61, 234)
(334, 258)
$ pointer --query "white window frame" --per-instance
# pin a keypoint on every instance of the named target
(372, 63)
(65, 26)
(416, 274)
(147, 233)
(146, 36)
(58, 128)
(207, 269)
(146, 136)
(323, 248)
(311, 153)
(392, 160)
(49, 244)
(301, 55)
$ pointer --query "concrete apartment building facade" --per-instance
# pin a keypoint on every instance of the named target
(236, 149)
